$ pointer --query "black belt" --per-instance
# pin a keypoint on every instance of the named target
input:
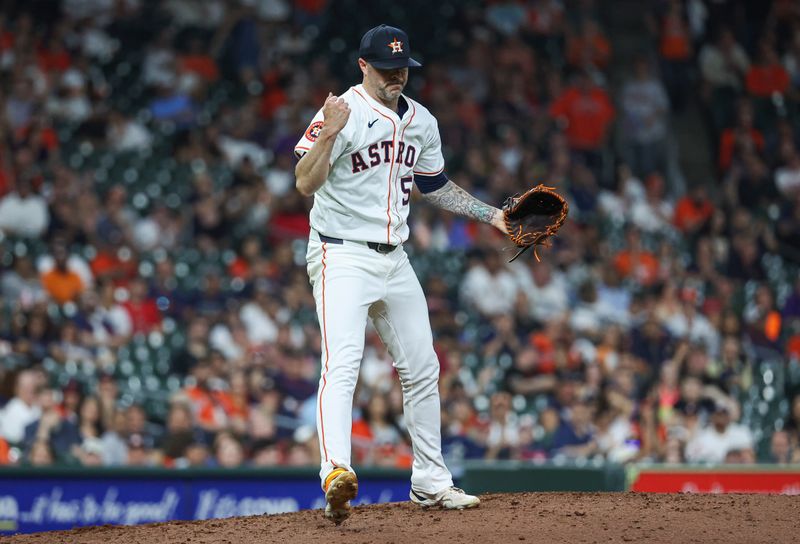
(380, 248)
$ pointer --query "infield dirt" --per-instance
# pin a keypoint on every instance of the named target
(572, 518)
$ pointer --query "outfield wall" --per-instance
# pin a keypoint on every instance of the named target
(33, 500)
(772, 479)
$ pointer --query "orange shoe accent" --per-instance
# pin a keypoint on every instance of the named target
(334, 473)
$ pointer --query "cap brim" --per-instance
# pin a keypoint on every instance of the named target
(391, 64)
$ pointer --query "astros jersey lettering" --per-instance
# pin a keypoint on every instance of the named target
(373, 163)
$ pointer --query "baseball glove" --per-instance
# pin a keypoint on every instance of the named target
(533, 217)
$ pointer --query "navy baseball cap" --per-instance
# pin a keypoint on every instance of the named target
(386, 48)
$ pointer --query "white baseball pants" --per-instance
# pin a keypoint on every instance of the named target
(352, 283)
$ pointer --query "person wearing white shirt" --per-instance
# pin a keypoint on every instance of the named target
(713, 443)
(693, 326)
(725, 63)
(257, 320)
(490, 287)
(545, 288)
(124, 134)
(23, 212)
(787, 177)
(22, 410)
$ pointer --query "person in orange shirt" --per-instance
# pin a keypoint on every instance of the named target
(53, 56)
(585, 111)
(588, 45)
(198, 62)
(767, 76)
(742, 137)
(636, 262)
(4, 452)
(675, 49)
(211, 409)
(693, 210)
(61, 283)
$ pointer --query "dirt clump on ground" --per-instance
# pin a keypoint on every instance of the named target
(572, 518)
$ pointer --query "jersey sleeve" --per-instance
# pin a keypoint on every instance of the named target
(431, 161)
(311, 134)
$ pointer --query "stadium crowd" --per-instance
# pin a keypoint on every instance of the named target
(161, 315)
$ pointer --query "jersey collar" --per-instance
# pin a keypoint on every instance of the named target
(380, 107)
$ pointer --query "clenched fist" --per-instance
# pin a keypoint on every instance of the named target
(335, 112)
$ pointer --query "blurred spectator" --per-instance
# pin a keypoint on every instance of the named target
(136, 422)
(503, 437)
(199, 456)
(545, 289)
(23, 212)
(22, 284)
(41, 454)
(635, 262)
(787, 176)
(489, 287)
(90, 453)
(197, 62)
(654, 212)
(143, 311)
(780, 450)
(210, 408)
(71, 103)
(675, 49)
(644, 111)
(575, 436)
(61, 283)
(716, 442)
(109, 321)
(59, 432)
(258, 316)
(228, 452)
(172, 104)
(125, 134)
(693, 211)
(159, 65)
(723, 66)
(741, 138)
(139, 452)
(585, 112)
(766, 76)
(115, 448)
(179, 432)
(376, 438)
(791, 60)
(23, 408)
(588, 46)
(159, 229)
(689, 324)
(724, 63)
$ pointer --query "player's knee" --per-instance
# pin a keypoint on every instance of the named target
(426, 379)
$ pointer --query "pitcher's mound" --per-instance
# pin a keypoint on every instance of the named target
(571, 518)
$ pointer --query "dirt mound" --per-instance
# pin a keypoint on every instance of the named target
(528, 517)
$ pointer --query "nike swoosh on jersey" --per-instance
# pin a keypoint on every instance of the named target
(369, 125)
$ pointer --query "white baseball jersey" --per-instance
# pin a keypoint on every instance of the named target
(373, 163)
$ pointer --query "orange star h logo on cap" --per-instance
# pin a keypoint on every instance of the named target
(397, 46)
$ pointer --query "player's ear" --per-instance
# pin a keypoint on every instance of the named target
(363, 65)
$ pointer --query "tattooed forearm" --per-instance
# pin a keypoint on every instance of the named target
(453, 198)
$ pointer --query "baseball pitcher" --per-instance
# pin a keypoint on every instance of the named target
(359, 158)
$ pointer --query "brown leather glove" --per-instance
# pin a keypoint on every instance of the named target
(533, 217)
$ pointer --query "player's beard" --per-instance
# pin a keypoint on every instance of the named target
(391, 90)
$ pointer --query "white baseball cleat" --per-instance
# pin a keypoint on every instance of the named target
(341, 487)
(451, 498)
